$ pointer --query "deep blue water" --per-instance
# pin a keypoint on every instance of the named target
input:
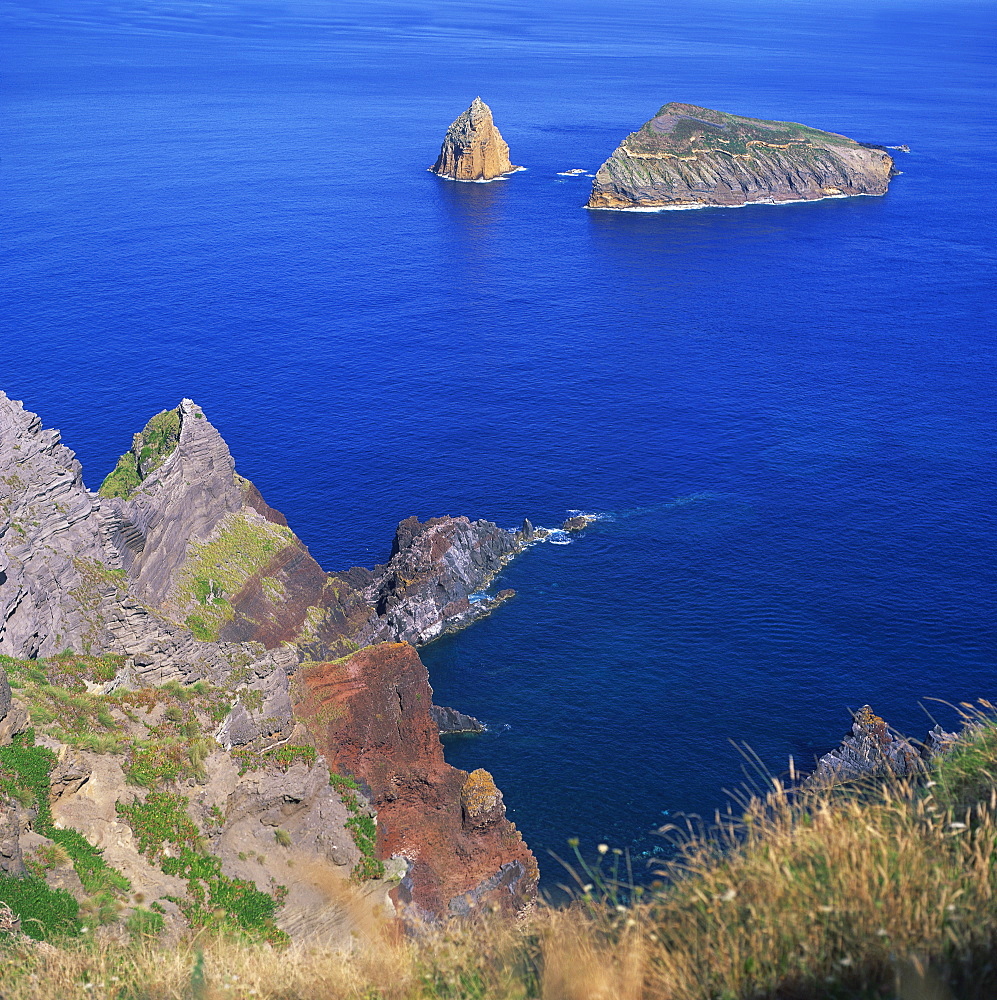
(785, 413)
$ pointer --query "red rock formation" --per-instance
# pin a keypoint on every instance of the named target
(370, 715)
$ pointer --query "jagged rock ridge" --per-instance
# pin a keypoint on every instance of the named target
(871, 749)
(687, 156)
(473, 148)
(179, 573)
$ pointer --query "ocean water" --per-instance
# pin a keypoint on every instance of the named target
(785, 415)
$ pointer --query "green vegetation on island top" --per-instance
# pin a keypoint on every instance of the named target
(685, 128)
(150, 448)
(877, 890)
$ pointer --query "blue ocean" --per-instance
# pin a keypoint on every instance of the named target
(783, 415)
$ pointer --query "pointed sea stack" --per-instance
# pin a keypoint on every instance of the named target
(692, 157)
(473, 149)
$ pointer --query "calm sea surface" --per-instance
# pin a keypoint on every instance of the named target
(785, 414)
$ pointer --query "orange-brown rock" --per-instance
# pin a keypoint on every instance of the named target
(473, 148)
(370, 716)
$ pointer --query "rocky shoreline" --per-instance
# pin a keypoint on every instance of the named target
(212, 664)
(692, 157)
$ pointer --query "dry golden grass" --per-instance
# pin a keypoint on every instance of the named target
(884, 890)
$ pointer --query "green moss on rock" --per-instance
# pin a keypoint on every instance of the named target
(150, 448)
(217, 570)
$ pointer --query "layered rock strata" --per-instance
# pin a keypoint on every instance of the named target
(473, 148)
(177, 576)
(688, 157)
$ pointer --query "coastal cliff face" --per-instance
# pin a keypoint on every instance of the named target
(53, 546)
(687, 156)
(154, 634)
(449, 827)
(473, 148)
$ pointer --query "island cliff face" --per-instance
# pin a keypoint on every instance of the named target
(687, 156)
(178, 577)
(473, 148)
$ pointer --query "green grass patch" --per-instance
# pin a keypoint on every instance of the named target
(282, 757)
(45, 913)
(25, 771)
(362, 828)
(142, 923)
(159, 822)
(213, 899)
(967, 773)
(217, 570)
(150, 448)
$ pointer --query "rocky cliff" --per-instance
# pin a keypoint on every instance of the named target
(473, 148)
(871, 749)
(448, 827)
(687, 156)
(174, 650)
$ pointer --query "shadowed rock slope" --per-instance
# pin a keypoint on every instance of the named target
(174, 651)
(687, 156)
(473, 148)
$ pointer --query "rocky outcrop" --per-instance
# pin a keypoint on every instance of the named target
(872, 750)
(473, 148)
(450, 721)
(11, 855)
(371, 714)
(687, 156)
(54, 558)
(202, 605)
(436, 569)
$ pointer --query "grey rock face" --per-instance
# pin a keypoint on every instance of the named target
(11, 860)
(450, 720)
(54, 560)
(938, 741)
(5, 697)
(435, 567)
(179, 504)
(13, 718)
(872, 750)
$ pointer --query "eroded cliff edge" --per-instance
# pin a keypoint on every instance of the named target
(688, 157)
(172, 643)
